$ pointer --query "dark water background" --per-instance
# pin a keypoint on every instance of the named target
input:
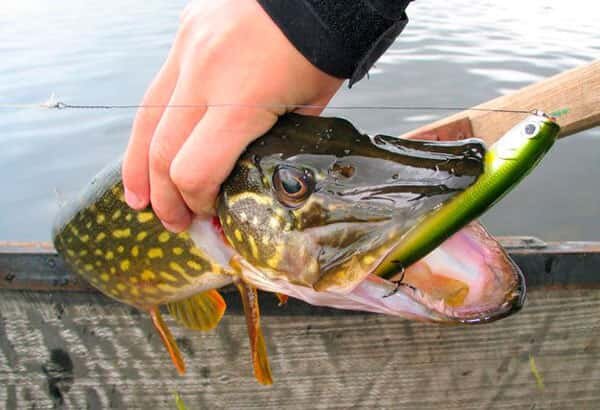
(451, 53)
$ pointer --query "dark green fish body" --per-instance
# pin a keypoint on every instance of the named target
(367, 193)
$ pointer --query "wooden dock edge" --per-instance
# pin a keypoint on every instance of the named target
(35, 266)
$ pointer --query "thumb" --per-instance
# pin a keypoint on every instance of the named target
(209, 154)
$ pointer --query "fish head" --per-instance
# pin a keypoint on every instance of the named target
(319, 204)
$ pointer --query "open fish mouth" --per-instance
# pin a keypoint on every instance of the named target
(468, 279)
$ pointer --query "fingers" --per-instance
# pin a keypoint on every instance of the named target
(171, 132)
(208, 156)
(135, 164)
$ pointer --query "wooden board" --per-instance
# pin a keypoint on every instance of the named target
(82, 350)
(36, 266)
(577, 91)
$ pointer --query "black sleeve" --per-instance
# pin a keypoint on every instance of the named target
(343, 38)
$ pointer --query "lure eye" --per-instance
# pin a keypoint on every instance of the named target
(530, 129)
(293, 185)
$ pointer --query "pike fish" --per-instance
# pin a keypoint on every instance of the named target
(317, 211)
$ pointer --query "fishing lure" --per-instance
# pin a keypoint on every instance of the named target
(507, 162)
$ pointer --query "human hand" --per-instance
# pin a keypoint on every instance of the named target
(225, 52)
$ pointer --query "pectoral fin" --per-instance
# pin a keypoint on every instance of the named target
(282, 298)
(168, 340)
(202, 311)
(260, 360)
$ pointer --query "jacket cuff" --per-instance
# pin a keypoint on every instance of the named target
(343, 38)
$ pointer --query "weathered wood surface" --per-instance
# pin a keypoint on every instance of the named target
(79, 349)
(82, 350)
(577, 90)
(36, 266)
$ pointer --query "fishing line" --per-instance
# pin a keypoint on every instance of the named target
(54, 104)
(296, 106)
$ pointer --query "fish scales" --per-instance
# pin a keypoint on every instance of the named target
(128, 254)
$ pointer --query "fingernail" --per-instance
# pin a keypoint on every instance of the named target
(172, 228)
(133, 200)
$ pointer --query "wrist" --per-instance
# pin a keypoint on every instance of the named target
(342, 38)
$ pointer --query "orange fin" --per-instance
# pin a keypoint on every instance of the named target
(282, 298)
(168, 340)
(260, 360)
(202, 311)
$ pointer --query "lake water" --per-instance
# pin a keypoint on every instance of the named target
(452, 53)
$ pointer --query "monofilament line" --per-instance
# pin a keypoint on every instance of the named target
(52, 103)
(61, 106)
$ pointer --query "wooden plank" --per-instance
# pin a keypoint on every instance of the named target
(36, 266)
(577, 90)
(76, 350)
(450, 131)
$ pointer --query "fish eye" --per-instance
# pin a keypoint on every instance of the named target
(293, 185)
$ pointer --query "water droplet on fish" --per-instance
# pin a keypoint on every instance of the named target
(378, 140)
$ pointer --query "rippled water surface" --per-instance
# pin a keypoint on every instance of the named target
(451, 53)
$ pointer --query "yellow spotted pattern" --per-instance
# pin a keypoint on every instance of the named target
(256, 234)
(128, 254)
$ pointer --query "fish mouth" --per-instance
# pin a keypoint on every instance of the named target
(469, 279)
